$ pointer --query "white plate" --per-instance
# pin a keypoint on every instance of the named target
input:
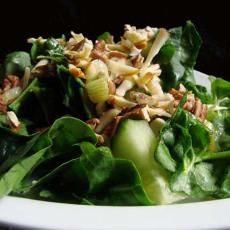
(46, 215)
(33, 214)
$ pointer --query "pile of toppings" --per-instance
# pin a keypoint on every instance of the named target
(121, 78)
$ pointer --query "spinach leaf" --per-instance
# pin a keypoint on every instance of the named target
(182, 151)
(59, 139)
(75, 96)
(105, 36)
(220, 88)
(21, 130)
(225, 187)
(199, 91)
(15, 64)
(219, 113)
(93, 178)
(50, 49)
(178, 56)
(40, 102)
(10, 145)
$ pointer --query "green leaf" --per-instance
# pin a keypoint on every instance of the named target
(163, 156)
(178, 56)
(180, 181)
(219, 112)
(75, 96)
(202, 140)
(185, 157)
(204, 156)
(16, 62)
(13, 147)
(96, 177)
(105, 36)
(199, 91)
(97, 164)
(50, 49)
(12, 179)
(59, 139)
(44, 100)
(204, 177)
(224, 142)
(225, 187)
(220, 88)
(190, 43)
(126, 189)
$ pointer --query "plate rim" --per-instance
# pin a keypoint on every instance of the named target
(44, 215)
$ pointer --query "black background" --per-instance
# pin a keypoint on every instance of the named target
(22, 19)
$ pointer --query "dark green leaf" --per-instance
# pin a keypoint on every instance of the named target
(226, 183)
(40, 102)
(204, 156)
(163, 156)
(50, 49)
(178, 56)
(75, 96)
(63, 134)
(220, 88)
(204, 177)
(15, 147)
(105, 36)
(16, 62)
(95, 177)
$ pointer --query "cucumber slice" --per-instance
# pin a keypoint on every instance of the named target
(135, 141)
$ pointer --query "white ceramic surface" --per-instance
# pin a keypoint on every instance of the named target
(46, 215)
(33, 214)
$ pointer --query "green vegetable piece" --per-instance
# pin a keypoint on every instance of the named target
(16, 62)
(59, 139)
(163, 156)
(204, 177)
(135, 141)
(14, 147)
(96, 177)
(178, 56)
(220, 88)
(75, 96)
(105, 36)
(49, 49)
(226, 184)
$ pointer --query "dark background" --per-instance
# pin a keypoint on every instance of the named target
(22, 19)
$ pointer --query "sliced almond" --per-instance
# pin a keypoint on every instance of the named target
(159, 41)
(118, 68)
(12, 118)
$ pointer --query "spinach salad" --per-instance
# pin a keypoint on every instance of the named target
(113, 123)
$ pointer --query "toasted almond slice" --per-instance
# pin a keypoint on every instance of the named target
(75, 71)
(26, 78)
(120, 102)
(119, 68)
(126, 85)
(154, 112)
(154, 86)
(106, 118)
(12, 118)
(160, 40)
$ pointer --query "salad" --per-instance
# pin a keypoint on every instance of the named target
(113, 122)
